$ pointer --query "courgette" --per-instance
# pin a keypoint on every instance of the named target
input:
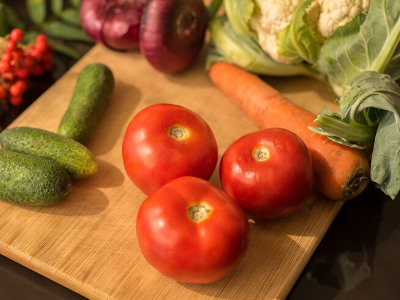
(74, 157)
(90, 98)
(31, 180)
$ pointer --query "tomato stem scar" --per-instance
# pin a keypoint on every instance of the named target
(261, 154)
(178, 133)
(199, 212)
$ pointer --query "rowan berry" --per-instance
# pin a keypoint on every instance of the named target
(15, 100)
(17, 35)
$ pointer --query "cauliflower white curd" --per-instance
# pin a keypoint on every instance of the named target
(324, 17)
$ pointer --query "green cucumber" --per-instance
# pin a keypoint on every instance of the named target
(74, 157)
(31, 180)
(90, 98)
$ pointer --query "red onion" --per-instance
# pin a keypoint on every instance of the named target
(114, 23)
(172, 33)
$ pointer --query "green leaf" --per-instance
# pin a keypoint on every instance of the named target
(56, 6)
(213, 8)
(385, 163)
(71, 16)
(36, 10)
(29, 36)
(64, 31)
(65, 49)
(239, 13)
(245, 52)
(75, 3)
(393, 68)
(13, 18)
(3, 21)
(297, 42)
(372, 103)
(213, 56)
(330, 125)
(335, 138)
(368, 42)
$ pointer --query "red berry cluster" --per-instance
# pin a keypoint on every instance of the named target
(18, 63)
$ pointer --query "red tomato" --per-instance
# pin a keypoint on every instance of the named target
(191, 231)
(166, 141)
(268, 173)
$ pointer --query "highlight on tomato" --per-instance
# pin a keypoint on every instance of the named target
(191, 231)
(268, 173)
(167, 141)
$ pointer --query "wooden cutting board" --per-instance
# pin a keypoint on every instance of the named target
(88, 243)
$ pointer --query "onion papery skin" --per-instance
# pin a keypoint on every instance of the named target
(113, 23)
(172, 33)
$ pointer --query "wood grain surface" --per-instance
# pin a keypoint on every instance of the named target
(88, 243)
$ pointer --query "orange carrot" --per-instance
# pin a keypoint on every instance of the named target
(340, 172)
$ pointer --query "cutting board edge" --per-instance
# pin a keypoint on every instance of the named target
(306, 258)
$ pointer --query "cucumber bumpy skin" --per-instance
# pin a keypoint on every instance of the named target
(90, 97)
(74, 157)
(31, 180)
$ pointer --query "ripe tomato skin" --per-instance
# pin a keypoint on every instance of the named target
(272, 188)
(185, 250)
(152, 157)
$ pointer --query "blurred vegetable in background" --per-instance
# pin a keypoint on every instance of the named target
(29, 38)
(113, 23)
(19, 62)
(172, 33)
(58, 19)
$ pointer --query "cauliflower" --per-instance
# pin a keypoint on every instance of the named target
(271, 17)
(335, 13)
(323, 16)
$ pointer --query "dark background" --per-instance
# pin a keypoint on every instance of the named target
(357, 259)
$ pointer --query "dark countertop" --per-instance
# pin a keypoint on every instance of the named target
(356, 259)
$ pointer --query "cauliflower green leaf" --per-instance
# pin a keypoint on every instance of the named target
(368, 42)
(239, 13)
(370, 112)
(245, 51)
(393, 68)
(297, 42)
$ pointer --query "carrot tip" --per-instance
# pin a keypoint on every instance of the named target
(355, 186)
